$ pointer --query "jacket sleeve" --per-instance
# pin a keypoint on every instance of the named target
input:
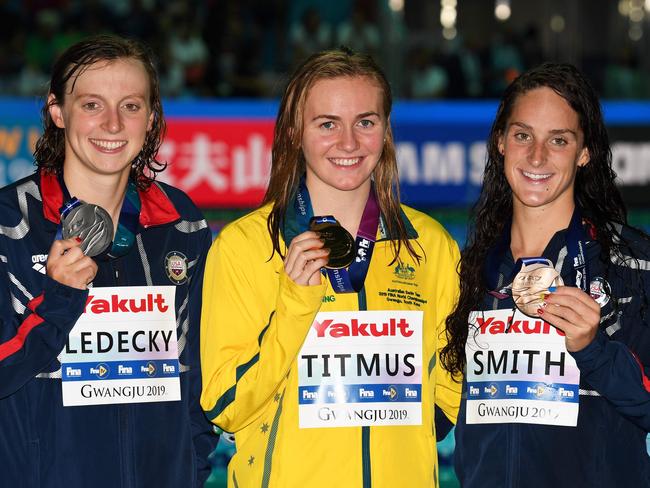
(33, 329)
(448, 390)
(618, 375)
(249, 338)
(204, 438)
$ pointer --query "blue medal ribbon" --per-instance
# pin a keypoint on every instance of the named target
(344, 280)
(575, 242)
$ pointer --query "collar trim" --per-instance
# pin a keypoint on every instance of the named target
(157, 208)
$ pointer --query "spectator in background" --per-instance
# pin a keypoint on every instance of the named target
(428, 79)
(360, 32)
(309, 35)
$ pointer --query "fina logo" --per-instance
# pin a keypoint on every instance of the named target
(101, 371)
(493, 390)
(392, 393)
(151, 369)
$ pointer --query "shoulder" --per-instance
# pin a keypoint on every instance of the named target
(249, 228)
(183, 204)
(14, 196)
(426, 227)
(635, 242)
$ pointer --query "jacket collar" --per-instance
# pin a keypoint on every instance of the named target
(157, 208)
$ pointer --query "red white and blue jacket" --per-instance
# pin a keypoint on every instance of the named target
(607, 449)
(44, 444)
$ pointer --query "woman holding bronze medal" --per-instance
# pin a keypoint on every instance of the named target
(327, 305)
(552, 325)
(101, 275)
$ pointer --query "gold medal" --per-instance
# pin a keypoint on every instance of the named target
(336, 239)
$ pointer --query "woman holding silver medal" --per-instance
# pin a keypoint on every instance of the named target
(327, 305)
(552, 325)
(90, 234)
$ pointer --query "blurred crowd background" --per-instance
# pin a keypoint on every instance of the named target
(429, 48)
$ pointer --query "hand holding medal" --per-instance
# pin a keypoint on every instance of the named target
(305, 258)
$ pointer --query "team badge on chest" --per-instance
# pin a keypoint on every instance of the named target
(176, 267)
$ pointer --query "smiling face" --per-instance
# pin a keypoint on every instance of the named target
(343, 134)
(105, 116)
(542, 148)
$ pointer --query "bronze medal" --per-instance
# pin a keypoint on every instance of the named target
(531, 285)
(337, 240)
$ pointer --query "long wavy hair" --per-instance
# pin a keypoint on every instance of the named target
(288, 161)
(595, 194)
(49, 153)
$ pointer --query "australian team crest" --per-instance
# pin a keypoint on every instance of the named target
(176, 267)
(404, 271)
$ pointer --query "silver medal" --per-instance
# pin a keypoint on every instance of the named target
(92, 224)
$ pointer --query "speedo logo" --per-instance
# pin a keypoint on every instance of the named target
(355, 328)
(150, 303)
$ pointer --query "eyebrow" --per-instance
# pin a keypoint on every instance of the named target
(336, 117)
(553, 131)
(97, 95)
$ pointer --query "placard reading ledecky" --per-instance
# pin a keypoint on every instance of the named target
(123, 348)
(361, 369)
(524, 375)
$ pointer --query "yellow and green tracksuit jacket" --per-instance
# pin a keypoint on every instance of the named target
(254, 322)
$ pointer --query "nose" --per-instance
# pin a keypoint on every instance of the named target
(113, 120)
(348, 141)
(537, 154)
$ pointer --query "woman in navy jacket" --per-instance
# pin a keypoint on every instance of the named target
(103, 124)
(557, 392)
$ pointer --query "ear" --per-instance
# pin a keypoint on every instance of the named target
(584, 157)
(150, 123)
(55, 111)
(501, 144)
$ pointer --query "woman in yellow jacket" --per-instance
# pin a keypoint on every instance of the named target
(320, 350)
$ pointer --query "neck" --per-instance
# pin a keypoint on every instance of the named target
(346, 206)
(106, 192)
(533, 228)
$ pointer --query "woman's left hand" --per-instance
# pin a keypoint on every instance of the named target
(573, 312)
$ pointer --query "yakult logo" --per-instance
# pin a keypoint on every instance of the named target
(355, 328)
(525, 326)
(150, 303)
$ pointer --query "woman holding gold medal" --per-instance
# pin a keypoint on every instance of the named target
(325, 308)
(101, 275)
(552, 325)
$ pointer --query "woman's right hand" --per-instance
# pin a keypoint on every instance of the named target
(68, 265)
(305, 258)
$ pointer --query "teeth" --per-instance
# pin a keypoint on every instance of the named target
(534, 176)
(345, 162)
(110, 145)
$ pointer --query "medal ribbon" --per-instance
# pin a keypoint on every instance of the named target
(575, 242)
(351, 279)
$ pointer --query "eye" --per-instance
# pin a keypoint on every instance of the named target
(131, 107)
(329, 125)
(521, 136)
(90, 106)
(366, 124)
(559, 141)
